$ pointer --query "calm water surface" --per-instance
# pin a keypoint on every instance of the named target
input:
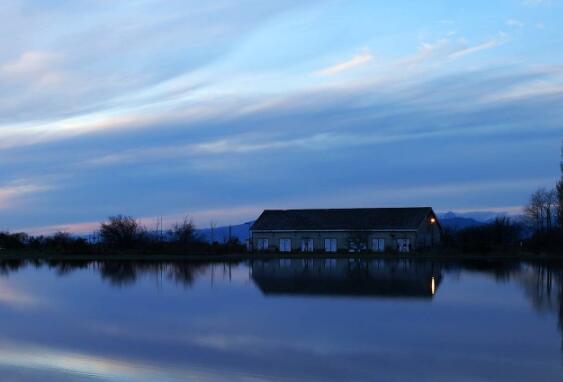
(281, 320)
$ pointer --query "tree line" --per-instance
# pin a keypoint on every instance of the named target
(539, 229)
(124, 234)
(544, 214)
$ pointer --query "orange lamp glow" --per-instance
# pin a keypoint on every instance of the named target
(432, 220)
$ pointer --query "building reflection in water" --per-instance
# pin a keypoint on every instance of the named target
(347, 277)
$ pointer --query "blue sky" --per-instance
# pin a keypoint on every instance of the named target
(221, 109)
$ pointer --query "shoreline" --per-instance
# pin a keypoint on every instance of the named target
(238, 257)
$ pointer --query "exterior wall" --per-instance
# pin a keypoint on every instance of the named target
(428, 236)
(342, 239)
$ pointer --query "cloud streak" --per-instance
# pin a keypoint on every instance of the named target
(515, 23)
(489, 44)
(13, 192)
(354, 62)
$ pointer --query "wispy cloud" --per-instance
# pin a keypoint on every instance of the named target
(36, 71)
(553, 86)
(390, 196)
(444, 50)
(513, 23)
(508, 210)
(536, 2)
(30, 62)
(59, 68)
(14, 191)
(501, 39)
(358, 60)
(202, 218)
(73, 228)
(246, 144)
(427, 51)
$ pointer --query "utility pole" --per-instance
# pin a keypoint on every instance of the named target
(212, 225)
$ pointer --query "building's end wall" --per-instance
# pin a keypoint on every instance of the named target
(429, 235)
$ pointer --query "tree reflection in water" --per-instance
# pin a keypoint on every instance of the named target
(543, 285)
(117, 273)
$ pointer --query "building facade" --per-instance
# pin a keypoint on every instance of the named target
(346, 230)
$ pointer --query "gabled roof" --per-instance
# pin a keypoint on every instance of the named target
(342, 219)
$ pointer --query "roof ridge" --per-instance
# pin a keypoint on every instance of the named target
(343, 218)
(348, 208)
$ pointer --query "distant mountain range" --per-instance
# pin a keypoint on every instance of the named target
(221, 234)
(449, 220)
(480, 216)
(472, 219)
(452, 221)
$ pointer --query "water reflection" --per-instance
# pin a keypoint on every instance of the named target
(136, 321)
(347, 277)
(117, 273)
(543, 286)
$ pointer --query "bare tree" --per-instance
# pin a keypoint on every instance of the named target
(550, 205)
(121, 231)
(212, 226)
(540, 210)
(157, 233)
(559, 191)
(184, 232)
(534, 211)
(560, 204)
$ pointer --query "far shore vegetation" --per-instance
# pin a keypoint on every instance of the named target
(122, 235)
(539, 230)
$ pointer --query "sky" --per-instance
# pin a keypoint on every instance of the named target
(220, 109)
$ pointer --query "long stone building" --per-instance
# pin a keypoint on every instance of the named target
(348, 230)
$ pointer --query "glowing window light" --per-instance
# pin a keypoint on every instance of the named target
(433, 286)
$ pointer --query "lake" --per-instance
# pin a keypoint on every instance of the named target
(281, 320)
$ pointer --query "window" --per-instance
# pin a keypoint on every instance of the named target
(285, 245)
(352, 247)
(307, 245)
(262, 244)
(330, 245)
(378, 245)
(356, 246)
(404, 245)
